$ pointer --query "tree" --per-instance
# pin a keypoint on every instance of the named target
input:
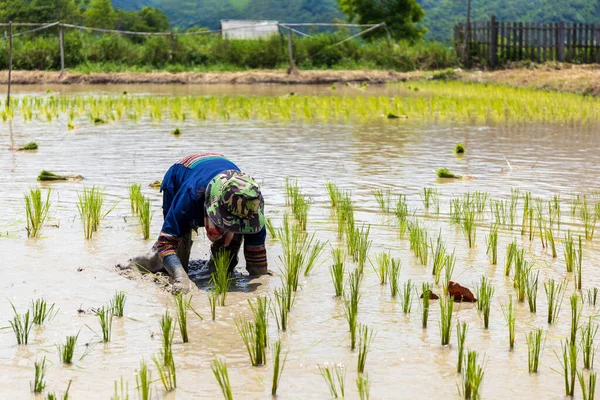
(154, 19)
(100, 14)
(38, 11)
(400, 16)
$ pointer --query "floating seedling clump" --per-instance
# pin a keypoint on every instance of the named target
(46, 176)
(459, 148)
(446, 173)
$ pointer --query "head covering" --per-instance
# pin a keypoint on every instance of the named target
(234, 202)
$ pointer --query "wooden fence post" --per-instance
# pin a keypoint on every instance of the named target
(493, 42)
(292, 70)
(10, 61)
(597, 45)
(61, 41)
(560, 42)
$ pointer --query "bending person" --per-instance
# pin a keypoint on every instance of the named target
(207, 190)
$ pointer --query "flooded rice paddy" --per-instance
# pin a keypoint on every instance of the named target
(358, 155)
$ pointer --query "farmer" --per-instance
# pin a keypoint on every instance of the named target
(208, 190)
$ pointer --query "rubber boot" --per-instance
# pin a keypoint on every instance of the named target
(181, 281)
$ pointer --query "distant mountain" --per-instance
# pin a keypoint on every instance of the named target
(440, 15)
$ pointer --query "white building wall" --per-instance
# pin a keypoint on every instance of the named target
(246, 29)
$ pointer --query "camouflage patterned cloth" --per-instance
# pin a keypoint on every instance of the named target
(234, 202)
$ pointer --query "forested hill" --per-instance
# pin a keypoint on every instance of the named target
(440, 15)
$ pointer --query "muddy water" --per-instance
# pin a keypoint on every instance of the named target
(405, 361)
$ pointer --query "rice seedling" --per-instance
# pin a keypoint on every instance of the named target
(430, 198)
(550, 241)
(37, 210)
(117, 304)
(522, 270)
(417, 236)
(511, 251)
(395, 265)
(449, 263)
(446, 173)
(508, 310)
(219, 369)
(280, 308)
(383, 198)
(176, 132)
(334, 193)
(365, 340)
(213, 299)
(335, 377)
(121, 391)
(278, 366)
(105, 317)
(316, 250)
(588, 351)
(363, 385)
(407, 293)
(555, 293)
(360, 245)
(41, 312)
(461, 334)
(554, 211)
(383, 267)
(578, 266)
(569, 366)
(569, 252)
(576, 307)
(469, 226)
(471, 377)
(295, 244)
(220, 278)
(589, 219)
(143, 379)
(135, 194)
(29, 146)
(531, 288)
(592, 296)
(588, 390)
(64, 396)
(534, 349)
(39, 384)
(90, 205)
(337, 271)
(165, 365)
(66, 351)
(459, 148)
(485, 292)
(270, 228)
(492, 244)
(401, 213)
(21, 326)
(539, 216)
(446, 308)
(183, 304)
(455, 211)
(438, 253)
(145, 216)
(47, 176)
(425, 296)
(345, 214)
(351, 300)
(254, 334)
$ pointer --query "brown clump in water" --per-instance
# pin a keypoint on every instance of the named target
(460, 293)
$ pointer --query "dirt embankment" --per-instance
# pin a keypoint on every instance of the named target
(550, 76)
(247, 77)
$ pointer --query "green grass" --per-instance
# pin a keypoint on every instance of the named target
(105, 318)
(446, 308)
(555, 293)
(143, 379)
(351, 300)
(37, 211)
(41, 311)
(471, 377)
(461, 334)
(365, 340)
(219, 369)
(278, 366)
(21, 325)
(117, 304)
(337, 271)
(425, 298)
(183, 303)
(534, 349)
(335, 378)
(38, 384)
(66, 351)
(220, 278)
(509, 312)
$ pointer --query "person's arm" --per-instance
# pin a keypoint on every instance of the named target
(255, 253)
(177, 221)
